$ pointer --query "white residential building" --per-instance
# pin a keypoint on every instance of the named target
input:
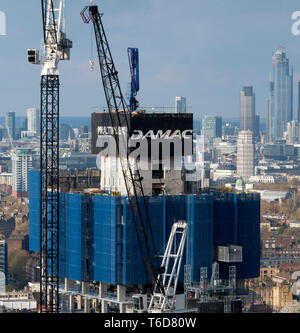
(33, 120)
(245, 155)
(21, 164)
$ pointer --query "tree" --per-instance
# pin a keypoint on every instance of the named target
(16, 266)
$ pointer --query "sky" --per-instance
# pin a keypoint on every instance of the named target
(205, 50)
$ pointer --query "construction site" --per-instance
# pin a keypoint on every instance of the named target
(99, 256)
(124, 238)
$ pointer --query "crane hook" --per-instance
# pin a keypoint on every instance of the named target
(92, 65)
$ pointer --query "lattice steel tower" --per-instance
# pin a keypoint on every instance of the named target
(56, 47)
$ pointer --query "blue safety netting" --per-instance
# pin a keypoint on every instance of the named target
(199, 245)
(98, 239)
(133, 267)
(75, 237)
(236, 222)
(34, 210)
(224, 218)
(106, 228)
(248, 235)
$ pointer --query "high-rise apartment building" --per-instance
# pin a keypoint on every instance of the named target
(21, 164)
(212, 127)
(33, 120)
(245, 155)
(10, 124)
(247, 109)
(180, 105)
(280, 99)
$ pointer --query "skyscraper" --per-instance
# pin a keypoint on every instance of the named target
(280, 99)
(33, 120)
(245, 155)
(21, 164)
(212, 126)
(180, 105)
(247, 109)
(10, 124)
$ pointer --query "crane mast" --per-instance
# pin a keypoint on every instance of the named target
(133, 181)
(56, 47)
(133, 57)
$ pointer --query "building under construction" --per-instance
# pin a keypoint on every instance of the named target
(107, 246)
(99, 247)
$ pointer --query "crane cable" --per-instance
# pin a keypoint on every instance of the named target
(92, 62)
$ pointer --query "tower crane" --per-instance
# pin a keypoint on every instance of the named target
(118, 110)
(133, 57)
(56, 47)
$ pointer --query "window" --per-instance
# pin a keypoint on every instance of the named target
(157, 174)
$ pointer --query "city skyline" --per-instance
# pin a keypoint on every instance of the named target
(164, 207)
(195, 72)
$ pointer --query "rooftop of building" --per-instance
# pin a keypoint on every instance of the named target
(143, 113)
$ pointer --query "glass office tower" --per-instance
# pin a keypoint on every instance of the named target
(212, 126)
(280, 99)
(180, 105)
(247, 109)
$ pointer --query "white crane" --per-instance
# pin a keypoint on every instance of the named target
(56, 47)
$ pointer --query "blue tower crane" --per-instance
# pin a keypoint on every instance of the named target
(133, 57)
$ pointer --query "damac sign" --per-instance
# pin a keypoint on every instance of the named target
(2, 24)
(149, 141)
(187, 134)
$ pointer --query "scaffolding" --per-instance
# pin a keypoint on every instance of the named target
(214, 290)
